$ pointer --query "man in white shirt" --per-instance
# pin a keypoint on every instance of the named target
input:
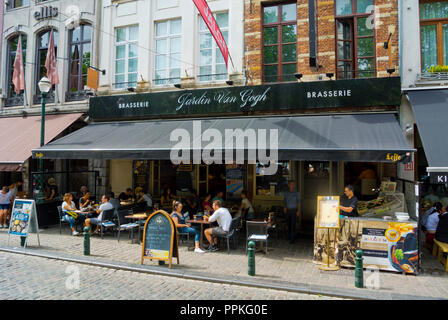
(224, 219)
(105, 205)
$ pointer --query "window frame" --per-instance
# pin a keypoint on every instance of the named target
(438, 22)
(12, 5)
(214, 49)
(279, 24)
(126, 58)
(37, 94)
(80, 94)
(12, 99)
(167, 81)
(353, 17)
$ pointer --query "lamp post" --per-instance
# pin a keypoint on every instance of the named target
(44, 87)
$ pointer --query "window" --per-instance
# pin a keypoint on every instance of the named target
(14, 99)
(18, 3)
(80, 51)
(43, 43)
(212, 65)
(434, 33)
(355, 39)
(280, 42)
(126, 57)
(168, 52)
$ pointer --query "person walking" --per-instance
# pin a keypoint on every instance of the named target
(291, 209)
(5, 203)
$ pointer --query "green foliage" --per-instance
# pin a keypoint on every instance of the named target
(436, 69)
(399, 254)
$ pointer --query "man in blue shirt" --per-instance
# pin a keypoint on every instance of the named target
(291, 209)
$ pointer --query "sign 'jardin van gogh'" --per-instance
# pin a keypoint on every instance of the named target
(238, 100)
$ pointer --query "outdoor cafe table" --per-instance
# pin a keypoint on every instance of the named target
(138, 217)
(201, 222)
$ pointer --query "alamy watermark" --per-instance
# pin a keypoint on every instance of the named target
(236, 146)
(72, 282)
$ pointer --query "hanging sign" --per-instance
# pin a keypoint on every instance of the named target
(23, 219)
(160, 238)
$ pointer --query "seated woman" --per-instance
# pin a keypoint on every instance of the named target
(84, 201)
(206, 204)
(68, 206)
(183, 227)
(431, 222)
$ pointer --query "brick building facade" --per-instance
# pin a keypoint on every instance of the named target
(385, 19)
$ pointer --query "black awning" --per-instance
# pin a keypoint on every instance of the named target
(360, 137)
(430, 109)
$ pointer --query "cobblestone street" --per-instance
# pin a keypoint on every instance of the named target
(25, 277)
(284, 263)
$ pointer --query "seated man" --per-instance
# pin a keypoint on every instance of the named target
(219, 196)
(126, 196)
(224, 218)
(442, 228)
(105, 205)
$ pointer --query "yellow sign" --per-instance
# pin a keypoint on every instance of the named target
(39, 155)
(393, 157)
(92, 78)
(328, 212)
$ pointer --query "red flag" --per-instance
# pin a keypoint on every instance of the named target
(18, 77)
(210, 21)
(50, 63)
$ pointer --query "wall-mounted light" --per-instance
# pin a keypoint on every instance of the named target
(298, 76)
(178, 85)
(131, 89)
(229, 82)
(330, 75)
(409, 129)
(390, 71)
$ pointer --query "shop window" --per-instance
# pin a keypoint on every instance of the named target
(14, 99)
(212, 65)
(276, 183)
(434, 33)
(80, 55)
(168, 44)
(18, 3)
(126, 57)
(355, 39)
(279, 42)
(43, 43)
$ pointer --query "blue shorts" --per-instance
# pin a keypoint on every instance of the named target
(4, 206)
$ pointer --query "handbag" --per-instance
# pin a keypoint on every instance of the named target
(72, 214)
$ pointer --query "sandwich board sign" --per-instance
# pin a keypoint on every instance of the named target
(23, 219)
(160, 238)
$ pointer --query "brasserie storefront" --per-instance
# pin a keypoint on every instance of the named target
(328, 132)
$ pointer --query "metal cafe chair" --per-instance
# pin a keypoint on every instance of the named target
(123, 225)
(232, 233)
(257, 231)
(61, 219)
(107, 221)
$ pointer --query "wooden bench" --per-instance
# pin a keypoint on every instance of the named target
(439, 248)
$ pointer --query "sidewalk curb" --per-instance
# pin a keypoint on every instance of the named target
(360, 294)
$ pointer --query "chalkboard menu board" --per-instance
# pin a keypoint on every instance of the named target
(160, 238)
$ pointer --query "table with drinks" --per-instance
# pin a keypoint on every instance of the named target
(198, 219)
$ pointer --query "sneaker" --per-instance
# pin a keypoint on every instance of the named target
(212, 248)
(75, 233)
(199, 250)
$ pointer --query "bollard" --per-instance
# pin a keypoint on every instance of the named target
(251, 258)
(22, 241)
(87, 241)
(359, 279)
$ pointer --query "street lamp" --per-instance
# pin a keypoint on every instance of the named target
(44, 87)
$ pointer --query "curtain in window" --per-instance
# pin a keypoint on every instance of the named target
(445, 43)
(429, 46)
(435, 10)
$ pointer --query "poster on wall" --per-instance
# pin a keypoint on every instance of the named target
(234, 181)
(328, 212)
(386, 245)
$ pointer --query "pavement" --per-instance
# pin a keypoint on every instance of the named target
(286, 267)
(46, 280)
